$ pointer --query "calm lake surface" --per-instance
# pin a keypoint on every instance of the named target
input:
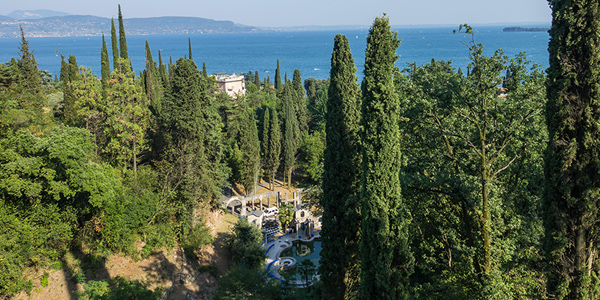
(308, 51)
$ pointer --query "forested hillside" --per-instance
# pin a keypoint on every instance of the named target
(434, 182)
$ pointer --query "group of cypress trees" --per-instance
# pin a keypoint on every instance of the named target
(364, 206)
(363, 211)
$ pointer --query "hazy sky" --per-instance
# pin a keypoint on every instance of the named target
(308, 12)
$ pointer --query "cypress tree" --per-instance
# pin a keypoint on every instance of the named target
(272, 160)
(300, 102)
(190, 47)
(152, 82)
(69, 110)
(115, 46)
(256, 80)
(571, 202)
(278, 85)
(290, 132)
(122, 38)
(192, 129)
(250, 148)
(385, 255)
(105, 64)
(204, 73)
(64, 70)
(162, 71)
(30, 75)
(266, 133)
(341, 178)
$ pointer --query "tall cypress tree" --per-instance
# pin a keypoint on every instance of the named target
(204, 72)
(341, 178)
(190, 48)
(266, 133)
(105, 64)
(69, 110)
(300, 102)
(290, 131)
(272, 160)
(162, 71)
(152, 82)
(572, 168)
(385, 254)
(250, 149)
(122, 38)
(64, 70)
(256, 80)
(114, 44)
(278, 85)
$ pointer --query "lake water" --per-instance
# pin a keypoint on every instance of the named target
(308, 51)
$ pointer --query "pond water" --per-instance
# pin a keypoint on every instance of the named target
(302, 251)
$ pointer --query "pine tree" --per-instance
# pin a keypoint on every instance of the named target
(122, 38)
(278, 85)
(385, 254)
(300, 102)
(571, 202)
(341, 178)
(290, 131)
(105, 64)
(114, 44)
(256, 80)
(29, 73)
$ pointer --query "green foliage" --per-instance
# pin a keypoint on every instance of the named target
(341, 174)
(474, 190)
(311, 149)
(247, 283)
(118, 288)
(273, 150)
(290, 131)
(387, 261)
(114, 45)
(278, 84)
(44, 280)
(197, 237)
(571, 207)
(300, 105)
(286, 215)
(127, 120)
(29, 74)
(192, 129)
(244, 245)
(104, 63)
(122, 41)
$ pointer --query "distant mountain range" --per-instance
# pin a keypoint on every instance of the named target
(46, 23)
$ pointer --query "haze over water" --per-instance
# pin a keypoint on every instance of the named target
(308, 51)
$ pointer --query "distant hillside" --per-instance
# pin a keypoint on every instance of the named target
(75, 25)
(35, 14)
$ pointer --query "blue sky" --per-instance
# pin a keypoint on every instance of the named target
(268, 13)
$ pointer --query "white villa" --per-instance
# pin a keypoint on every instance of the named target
(231, 84)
